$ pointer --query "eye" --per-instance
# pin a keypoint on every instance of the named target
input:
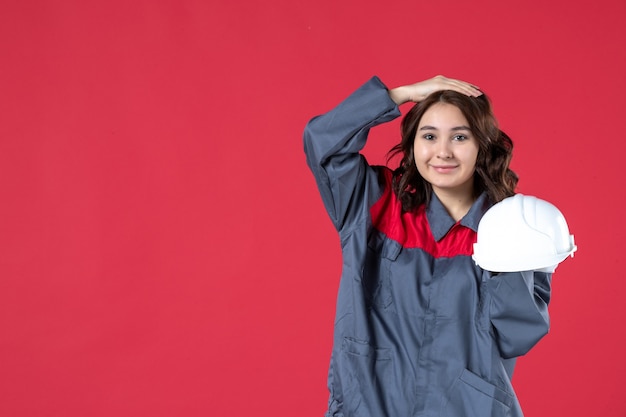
(429, 136)
(460, 138)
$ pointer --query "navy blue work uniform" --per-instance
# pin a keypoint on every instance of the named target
(420, 329)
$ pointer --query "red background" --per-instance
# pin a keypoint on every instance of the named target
(163, 249)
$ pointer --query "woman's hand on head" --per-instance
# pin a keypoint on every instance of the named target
(419, 91)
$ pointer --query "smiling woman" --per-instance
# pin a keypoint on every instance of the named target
(420, 328)
(463, 123)
(445, 152)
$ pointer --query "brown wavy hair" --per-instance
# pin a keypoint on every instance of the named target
(495, 150)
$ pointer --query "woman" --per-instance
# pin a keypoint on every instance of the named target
(420, 329)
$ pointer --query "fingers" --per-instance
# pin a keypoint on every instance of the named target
(459, 86)
(419, 91)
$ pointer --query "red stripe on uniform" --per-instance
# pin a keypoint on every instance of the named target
(412, 230)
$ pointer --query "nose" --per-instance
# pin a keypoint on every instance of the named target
(443, 150)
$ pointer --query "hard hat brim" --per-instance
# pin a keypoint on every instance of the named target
(508, 265)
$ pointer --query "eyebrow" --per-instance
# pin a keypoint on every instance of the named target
(454, 129)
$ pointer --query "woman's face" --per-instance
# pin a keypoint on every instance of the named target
(445, 150)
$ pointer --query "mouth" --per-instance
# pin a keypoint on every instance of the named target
(444, 169)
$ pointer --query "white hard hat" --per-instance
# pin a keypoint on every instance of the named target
(522, 233)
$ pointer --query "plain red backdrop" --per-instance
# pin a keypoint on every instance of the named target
(163, 249)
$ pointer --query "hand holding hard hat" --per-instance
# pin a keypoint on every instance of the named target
(522, 233)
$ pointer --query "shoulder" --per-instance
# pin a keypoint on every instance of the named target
(406, 228)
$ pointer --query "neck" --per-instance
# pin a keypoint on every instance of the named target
(456, 203)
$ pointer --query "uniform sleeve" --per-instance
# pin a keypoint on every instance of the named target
(518, 310)
(332, 143)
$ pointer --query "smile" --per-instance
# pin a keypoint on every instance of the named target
(443, 169)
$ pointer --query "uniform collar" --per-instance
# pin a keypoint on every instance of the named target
(440, 221)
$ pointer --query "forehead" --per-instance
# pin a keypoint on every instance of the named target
(441, 115)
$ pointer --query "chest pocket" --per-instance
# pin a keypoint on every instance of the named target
(382, 252)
